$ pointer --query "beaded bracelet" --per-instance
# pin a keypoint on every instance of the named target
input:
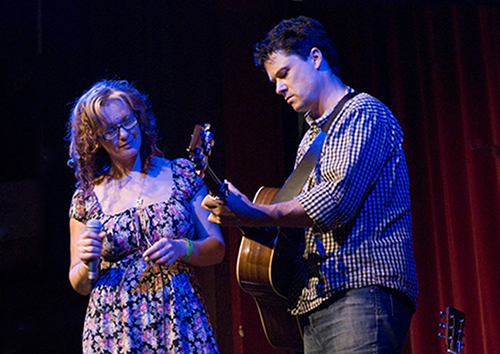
(189, 250)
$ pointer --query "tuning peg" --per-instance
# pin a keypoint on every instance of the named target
(208, 146)
(197, 159)
(442, 314)
(442, 325)
(208, 135)
(441, 335)
(199, 165)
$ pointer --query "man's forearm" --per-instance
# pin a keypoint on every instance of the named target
(287, 214)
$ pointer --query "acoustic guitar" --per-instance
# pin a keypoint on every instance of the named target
(454, 329)
(266, 258)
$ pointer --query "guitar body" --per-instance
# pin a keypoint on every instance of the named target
(266, 263)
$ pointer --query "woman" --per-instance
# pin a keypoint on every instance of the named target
(146, 298)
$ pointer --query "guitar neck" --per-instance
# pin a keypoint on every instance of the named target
(215, 187)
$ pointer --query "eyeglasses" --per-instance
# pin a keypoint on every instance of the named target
(113, 131)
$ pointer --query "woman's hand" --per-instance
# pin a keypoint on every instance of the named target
(85, 247)
(166, 251)
(89, 246)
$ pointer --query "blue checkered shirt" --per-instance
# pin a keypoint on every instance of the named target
(358, 198)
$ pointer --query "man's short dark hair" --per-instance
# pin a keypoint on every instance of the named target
(297, 36)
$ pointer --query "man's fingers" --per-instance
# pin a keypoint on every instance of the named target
(214, 219)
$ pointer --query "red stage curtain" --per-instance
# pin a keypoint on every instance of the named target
(455, 175)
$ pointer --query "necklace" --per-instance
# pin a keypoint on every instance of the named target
(128, 183)
(142, 218)
(139, 201)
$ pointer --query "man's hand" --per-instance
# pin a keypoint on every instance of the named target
(236, 210)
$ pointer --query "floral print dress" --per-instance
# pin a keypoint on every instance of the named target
(138, 306)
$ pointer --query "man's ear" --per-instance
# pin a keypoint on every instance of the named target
(316, 56)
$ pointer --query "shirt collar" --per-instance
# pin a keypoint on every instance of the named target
(312, 117)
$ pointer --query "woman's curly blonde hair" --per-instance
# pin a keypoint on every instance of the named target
(91, 162)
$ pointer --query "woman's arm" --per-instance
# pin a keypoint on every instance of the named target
(207, 248)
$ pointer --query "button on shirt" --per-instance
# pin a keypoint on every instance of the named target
(358, 198)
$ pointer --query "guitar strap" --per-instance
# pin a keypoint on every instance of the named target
(293, 185)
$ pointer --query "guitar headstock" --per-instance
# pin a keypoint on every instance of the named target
(200, 147)
(454, 329)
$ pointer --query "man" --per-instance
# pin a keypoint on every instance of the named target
(356, 286)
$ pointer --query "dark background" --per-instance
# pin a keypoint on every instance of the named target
(194, 59)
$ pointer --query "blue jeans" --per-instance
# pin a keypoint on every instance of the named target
(366, 320)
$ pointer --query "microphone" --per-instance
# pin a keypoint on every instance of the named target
(93, 225)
